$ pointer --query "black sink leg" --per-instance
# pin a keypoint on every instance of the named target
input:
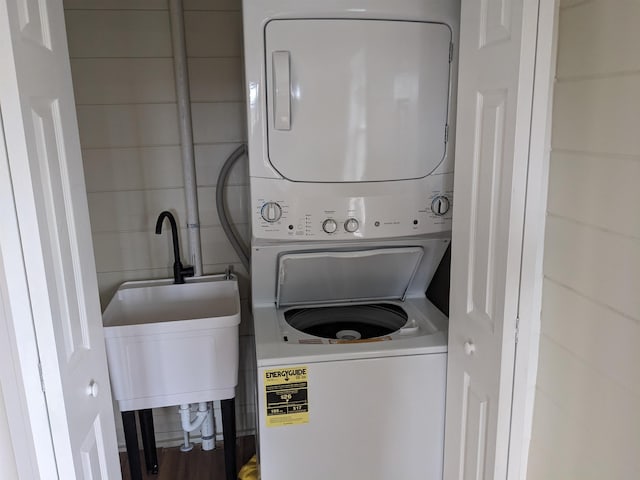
(148, 440)
(131, 440)
(229, 432)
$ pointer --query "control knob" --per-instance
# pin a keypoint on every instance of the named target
(329, 225)
(351, 225)
(271, 212)
(440, 205)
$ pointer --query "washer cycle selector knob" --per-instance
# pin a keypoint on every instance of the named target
(440, 205)
(351, 225)
(329, 225)
(271, 212)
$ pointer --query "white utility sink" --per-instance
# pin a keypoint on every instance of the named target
(171, 344)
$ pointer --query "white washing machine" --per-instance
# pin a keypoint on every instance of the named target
(351, 360)
(349, 123)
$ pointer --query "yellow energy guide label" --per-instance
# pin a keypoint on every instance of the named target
(287, 396)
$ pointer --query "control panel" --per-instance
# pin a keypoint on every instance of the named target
(323, 212)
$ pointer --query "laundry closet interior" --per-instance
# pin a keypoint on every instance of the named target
(341, 204)
(122, 69)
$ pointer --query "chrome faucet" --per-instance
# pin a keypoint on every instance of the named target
(179, 272)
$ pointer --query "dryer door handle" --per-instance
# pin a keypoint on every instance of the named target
(281, 90)
(469, 348)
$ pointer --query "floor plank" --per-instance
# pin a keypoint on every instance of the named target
(194, 465)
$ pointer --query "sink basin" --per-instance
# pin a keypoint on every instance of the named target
(170, 344)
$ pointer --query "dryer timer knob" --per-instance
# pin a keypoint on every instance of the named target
(440, 205)
(271, 212)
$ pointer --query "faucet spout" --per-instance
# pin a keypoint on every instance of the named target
(179, 271)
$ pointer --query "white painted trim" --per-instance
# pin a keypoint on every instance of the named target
(526, 361)
(19, 373)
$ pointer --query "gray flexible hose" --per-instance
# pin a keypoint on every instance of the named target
(221, 205)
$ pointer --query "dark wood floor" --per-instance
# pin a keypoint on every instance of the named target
(194, 465)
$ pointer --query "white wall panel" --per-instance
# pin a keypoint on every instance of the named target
(598, 115)
(237, 201)
(213, 34)
(126, 251)
(142, 125)
(599, 190)
(213, 5)
(586, 419)
(602, 338)
(544, 461)
(218, 122)
(134, 210)
(216, 249)
(595, 263)
(583, 53)
(211, 158)
(115, 4)
(565, 446)
(135, 168)
(123, 80)
(118, 33)
(216, 79)
(572, 3)
(597, 433)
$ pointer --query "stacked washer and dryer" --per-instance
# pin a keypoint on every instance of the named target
(350, 124)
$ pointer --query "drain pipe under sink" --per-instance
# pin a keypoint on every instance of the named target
(203, 420)
(186, 133)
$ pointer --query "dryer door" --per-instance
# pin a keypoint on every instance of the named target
(356, 100)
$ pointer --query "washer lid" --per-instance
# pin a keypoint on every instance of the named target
(338, 276)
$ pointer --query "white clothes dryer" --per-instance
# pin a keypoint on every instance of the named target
(350, 117)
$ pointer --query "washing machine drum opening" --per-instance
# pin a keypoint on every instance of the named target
(348, 322)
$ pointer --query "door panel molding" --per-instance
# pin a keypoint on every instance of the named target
(19, 359)
(54, 245)
(495, 90)
(495, 22)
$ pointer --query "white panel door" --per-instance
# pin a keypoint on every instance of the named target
(356, 100)
(45, 165)
(497, 50)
